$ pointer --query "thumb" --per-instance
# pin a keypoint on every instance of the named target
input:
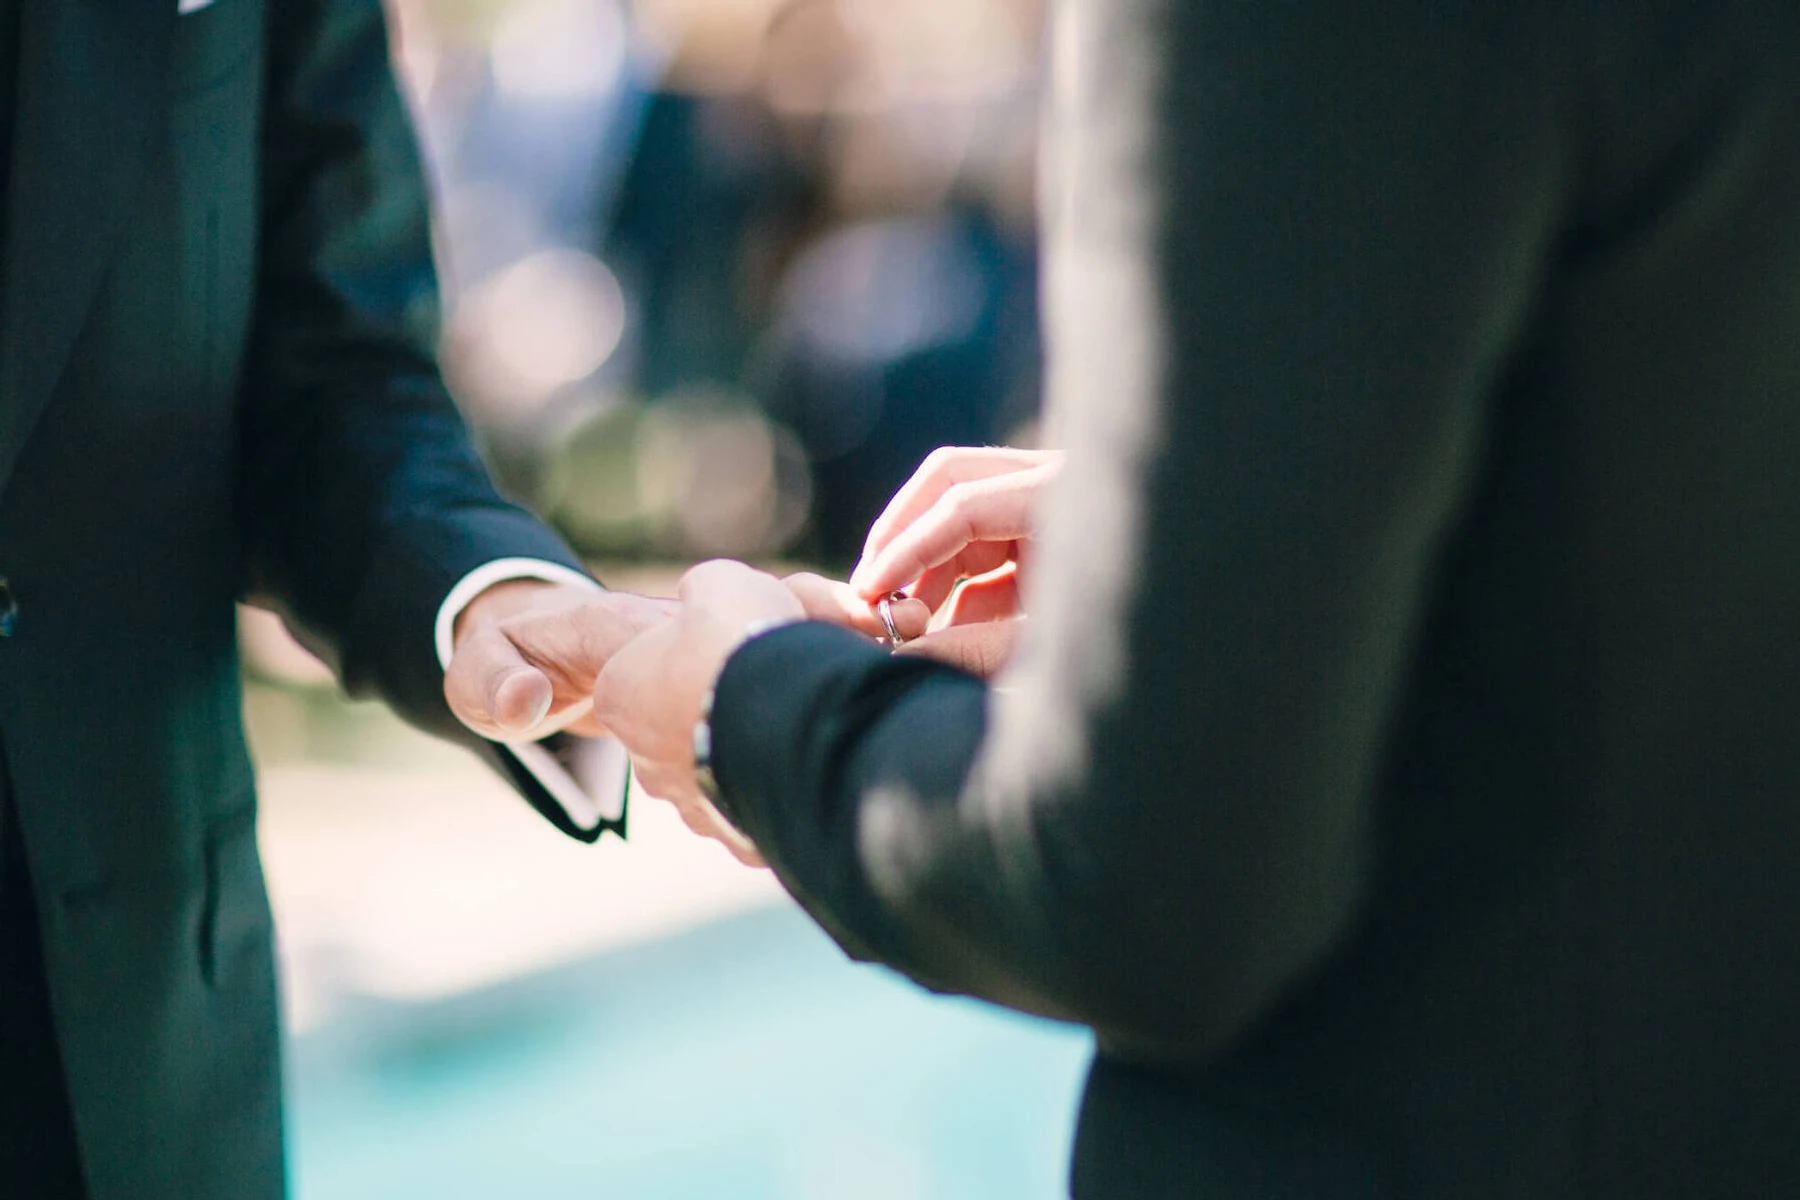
(495, 691)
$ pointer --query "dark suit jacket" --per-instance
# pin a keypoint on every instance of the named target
(1401, 775)
(218, 311)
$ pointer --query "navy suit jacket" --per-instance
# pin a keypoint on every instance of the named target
(216, 380)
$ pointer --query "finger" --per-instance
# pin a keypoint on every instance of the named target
(991, 598)
(989, 510)
(495, 690)
(701, 817)
(744, 851)
(663, 782)
(942, 469)
(713, 575)
(672, 786)
(979, 649)
(640, 612)
(839, 603)
(733, 594)
(937, 584)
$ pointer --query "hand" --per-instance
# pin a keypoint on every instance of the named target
(528, 652)
(651, 692)
(839, 603)
(966, 512)
(977, 628)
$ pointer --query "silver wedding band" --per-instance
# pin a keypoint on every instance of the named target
(884, 608)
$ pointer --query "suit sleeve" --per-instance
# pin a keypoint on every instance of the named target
(1292, 249)
(362, 499)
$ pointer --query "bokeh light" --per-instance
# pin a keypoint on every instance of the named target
(543, 323)
(559, 49)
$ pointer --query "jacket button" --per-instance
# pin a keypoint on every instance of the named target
(9, 609)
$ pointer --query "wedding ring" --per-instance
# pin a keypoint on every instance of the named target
(884, 608)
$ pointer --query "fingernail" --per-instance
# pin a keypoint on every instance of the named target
(539, 711)
(863, 579)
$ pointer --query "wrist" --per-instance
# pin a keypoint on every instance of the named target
(702, 736)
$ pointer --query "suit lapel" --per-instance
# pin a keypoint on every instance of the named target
(91, 88)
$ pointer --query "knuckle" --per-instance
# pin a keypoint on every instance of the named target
(490, 651)
(712, 572)
(962, 511)
(470, 651)
(959, 498)
(939, 459)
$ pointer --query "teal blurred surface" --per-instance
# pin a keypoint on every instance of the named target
(745, 1060)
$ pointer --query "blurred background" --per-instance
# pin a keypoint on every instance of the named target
(721, 272)
(718, 274)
